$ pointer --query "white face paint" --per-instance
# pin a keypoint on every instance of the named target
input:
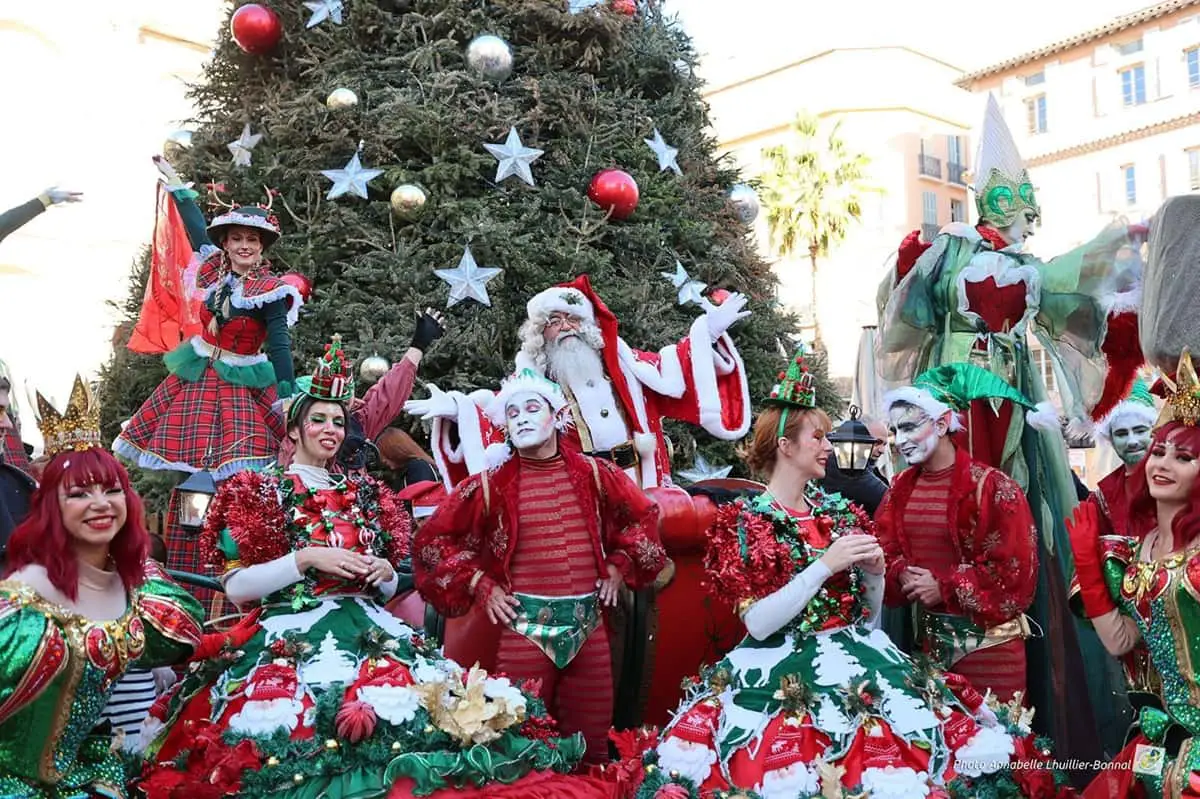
(1021, 228)
(917, 434)
(1130, 439)
(529, 420)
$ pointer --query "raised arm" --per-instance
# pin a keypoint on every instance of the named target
(189, 211)
(14, 218)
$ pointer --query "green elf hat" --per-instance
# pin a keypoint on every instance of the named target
(331, 380)
(1138, 406)
(795, 389)
(954, 386)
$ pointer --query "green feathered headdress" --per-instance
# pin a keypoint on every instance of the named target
(954, 386)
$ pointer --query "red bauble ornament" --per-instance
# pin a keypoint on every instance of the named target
(301, 284)
(626, 7)
(719, 296)
(614, 190)
(255, 28)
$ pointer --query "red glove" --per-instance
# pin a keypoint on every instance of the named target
(910, 250)
(1084, 529)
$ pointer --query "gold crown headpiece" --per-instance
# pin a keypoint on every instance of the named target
(1182, 393)
(77, 428)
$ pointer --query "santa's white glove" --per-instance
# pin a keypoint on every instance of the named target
(170, 177)
(721, 317)
(440, 405)
(55, 195)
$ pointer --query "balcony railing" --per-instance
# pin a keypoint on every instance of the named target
(955, 172)
(928, 165)
(929, 232)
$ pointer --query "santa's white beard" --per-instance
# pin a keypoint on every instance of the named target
(694, 761)
(788, 783)
(263, 718)
(572, 361)
(395, 704)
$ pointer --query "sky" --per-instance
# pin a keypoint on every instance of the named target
(738, 39)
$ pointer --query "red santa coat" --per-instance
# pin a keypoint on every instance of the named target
(995, 544)
(695, 380)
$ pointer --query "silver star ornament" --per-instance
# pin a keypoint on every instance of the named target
(689, 290)
(703, 470)
(665, 153)
(468, 281)
(514, 158)
(323, 10)
(352, 178)
(243, 146)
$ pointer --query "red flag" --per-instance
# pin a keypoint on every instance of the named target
(171, 307)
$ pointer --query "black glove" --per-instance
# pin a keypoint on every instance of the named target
(428, 331)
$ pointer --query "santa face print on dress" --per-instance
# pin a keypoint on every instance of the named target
(529, 420)
(319, 433)
(1130, 439)
(917, 433)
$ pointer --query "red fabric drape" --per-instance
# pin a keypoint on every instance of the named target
(170, 309)
(538, 785)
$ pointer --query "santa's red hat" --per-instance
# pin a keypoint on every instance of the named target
(424, 497)
(697, 725)
(787, 749)
(576, 297)
(389, 674)
(273, 681)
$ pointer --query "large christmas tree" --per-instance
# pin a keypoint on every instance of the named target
(588, 86)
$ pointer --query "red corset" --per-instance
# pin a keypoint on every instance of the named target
(1000, 307)
(242, 335)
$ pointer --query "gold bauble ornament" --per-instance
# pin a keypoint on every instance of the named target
(298, 778)
(341, 98)
(395, 746)
(373, 368)
(331, 744)
(408, 201)
(272, 761)
(428, 729)
(650, 769)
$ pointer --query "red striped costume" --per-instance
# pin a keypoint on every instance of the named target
(549, 528)
(971, 527)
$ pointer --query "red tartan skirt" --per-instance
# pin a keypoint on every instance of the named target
(209, 424)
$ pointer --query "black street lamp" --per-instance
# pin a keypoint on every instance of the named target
(852, 444)
(195, 493)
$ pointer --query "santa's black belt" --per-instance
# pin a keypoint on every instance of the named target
(623, 456)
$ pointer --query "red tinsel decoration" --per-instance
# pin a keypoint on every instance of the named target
(766, 567)
(246, 505)
(395, 521)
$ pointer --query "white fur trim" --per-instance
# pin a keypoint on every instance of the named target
(238, 300)
(206, 350)
(1123, 301)
(519, 384)
(496, 455)
(962, 230)
(470, 450)
(1006, 271)
(1043, 417)
(709, 361)
(919, 397)
(1134, 410)
(556, 299)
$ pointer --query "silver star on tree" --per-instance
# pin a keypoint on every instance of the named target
(666, 154)
(468, 281)
(514, 158)
(323, 10)
(689, 290)
(351, 178)
(703, 470)
(243, 146)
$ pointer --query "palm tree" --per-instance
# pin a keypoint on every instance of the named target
(812, 190)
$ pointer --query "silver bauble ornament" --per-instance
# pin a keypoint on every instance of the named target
(373, 368)
(490, 57)
(176, 142)
(683, 68)
(341, 98)
(745, 202)
(408, 201)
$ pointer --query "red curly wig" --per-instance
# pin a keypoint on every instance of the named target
(1143, 508)
(41, 539)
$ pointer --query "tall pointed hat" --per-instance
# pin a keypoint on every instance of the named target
(332, 379)
(1002, 186)
(796, 388)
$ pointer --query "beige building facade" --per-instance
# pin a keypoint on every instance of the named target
(92, 89)
(895, 104)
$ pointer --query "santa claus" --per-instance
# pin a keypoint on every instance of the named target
(274, 700)
(788, 769)
(617, 396)
(689, 748)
